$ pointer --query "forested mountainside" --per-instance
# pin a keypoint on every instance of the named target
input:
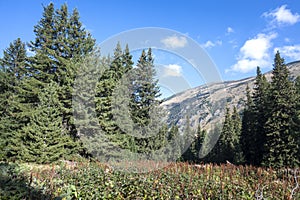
(206, 104)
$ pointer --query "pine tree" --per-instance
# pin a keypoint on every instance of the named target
(43, 64)
(60, 43)
(211, 150)
(72, 44)
(237, 127)
(198, 143)
(247, 144)
(188, 141)
(260, 110)
(145, 111)
(227, 145)
(174, 142)
(44, 138)
(94, 140)
(11, 76)
(111, 98)
(296, 118)
(146, 90)
(281, 146)
(105, 88)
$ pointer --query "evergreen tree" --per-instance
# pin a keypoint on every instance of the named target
(198, 143)
(87, 123)
(105, 88)
(227, 139)
(296, 118)
(211, 148)
(60, 43)
(43, 64)
(260, 110)
(72, 44)
(248, 143)
(145, 111)
(174, 142)
(44, 138)
(237, 127)
(228, 146)
(13, 65)
(146, 90)
(110, 98)
(281, 146)
(188, 141)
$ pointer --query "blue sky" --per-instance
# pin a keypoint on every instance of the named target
(237, 35)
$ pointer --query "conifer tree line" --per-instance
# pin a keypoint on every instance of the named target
(36, 113)
(267, 132)
(270, 127)
(37, 122)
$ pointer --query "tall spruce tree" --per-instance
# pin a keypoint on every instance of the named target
(227, 139)
(43, 64)
(13, 69)
(174, 142)
(212, 145)
(237, 127)
(197, 144)
(107, 97)
(296, 118)
(188, 141)
(281, 145)
(107, 83)
(248, 143)
(72, 44)
(228, 146)
(44, 137)
(146, 91)
(85, 114)
(260, 110)
(145, 111)
(60, 43)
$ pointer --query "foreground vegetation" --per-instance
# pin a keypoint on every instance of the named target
(92, 180)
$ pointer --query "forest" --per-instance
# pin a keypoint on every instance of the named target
(42, 134)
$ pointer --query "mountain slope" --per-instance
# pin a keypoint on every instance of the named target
(206, 104)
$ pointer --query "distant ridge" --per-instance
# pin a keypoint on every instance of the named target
(206, 104)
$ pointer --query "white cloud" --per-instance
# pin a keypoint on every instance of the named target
(292, 52)
(255, 52)
(175, 42)
(172, 70)
(287, 39)
(210, 44)
(282, 16)
(230, 30)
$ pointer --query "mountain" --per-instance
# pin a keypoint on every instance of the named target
(206, 104)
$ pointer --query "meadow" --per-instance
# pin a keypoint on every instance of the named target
(94, 180)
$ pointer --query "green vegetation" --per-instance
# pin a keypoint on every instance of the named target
(38, 125)
(90, 180)
(269, 133)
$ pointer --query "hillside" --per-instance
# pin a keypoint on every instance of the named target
(206, 104)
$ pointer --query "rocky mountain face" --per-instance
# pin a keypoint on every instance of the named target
(205, 105)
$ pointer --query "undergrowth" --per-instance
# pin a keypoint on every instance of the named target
(93, 180)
